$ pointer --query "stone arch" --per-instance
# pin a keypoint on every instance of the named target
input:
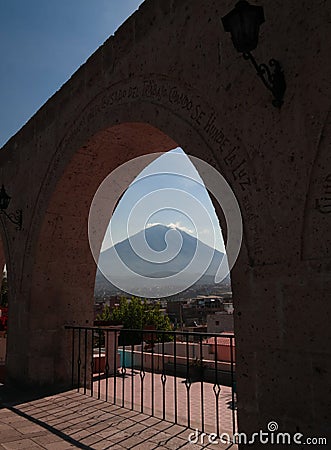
(265, 154)
(63, 271)
(149, 120)
(161, 101)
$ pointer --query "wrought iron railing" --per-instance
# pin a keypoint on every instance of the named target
(183, 377)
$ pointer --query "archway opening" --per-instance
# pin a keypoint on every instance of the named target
(163, 230)
(168, 196)
(58, 270)
(59, 283)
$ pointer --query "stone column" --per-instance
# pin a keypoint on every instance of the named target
(111, 348)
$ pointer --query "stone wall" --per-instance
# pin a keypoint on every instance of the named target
(170, 76)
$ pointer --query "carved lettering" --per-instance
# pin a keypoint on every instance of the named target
(160, 91)
(198, 114)
(153, 90)
(239, 168)
(323, 204)
(117, 96)
(213, 131)
(244, 183)
(180, 99)
(230, 157)
(133, 92)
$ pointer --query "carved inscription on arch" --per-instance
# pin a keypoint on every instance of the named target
(323, 203)
(189, 106)
(165, 93)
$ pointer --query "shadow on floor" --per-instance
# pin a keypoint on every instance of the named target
(67, 419)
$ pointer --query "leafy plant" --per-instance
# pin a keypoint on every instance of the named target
(196, 362)
(137, 314)
(196, 370)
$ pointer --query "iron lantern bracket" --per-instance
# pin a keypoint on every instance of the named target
(272, 77)
(15, 218)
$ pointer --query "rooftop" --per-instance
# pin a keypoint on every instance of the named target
(73, 420)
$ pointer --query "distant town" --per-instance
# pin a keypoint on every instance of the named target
(201, 308)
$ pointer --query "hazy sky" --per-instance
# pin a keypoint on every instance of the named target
(42, 43)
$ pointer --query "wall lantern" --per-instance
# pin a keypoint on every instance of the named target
(243, 22)
(16, 219)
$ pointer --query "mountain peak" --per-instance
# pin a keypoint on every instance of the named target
(155, 251)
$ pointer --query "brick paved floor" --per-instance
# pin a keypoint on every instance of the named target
(189, 401)
(73, 420)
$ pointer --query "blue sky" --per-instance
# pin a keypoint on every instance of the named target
(153, 187)
(42, 43)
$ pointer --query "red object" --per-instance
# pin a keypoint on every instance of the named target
(223, 347)
(3, 318)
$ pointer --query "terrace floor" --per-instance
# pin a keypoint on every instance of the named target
(173, 397)
(74, 420)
